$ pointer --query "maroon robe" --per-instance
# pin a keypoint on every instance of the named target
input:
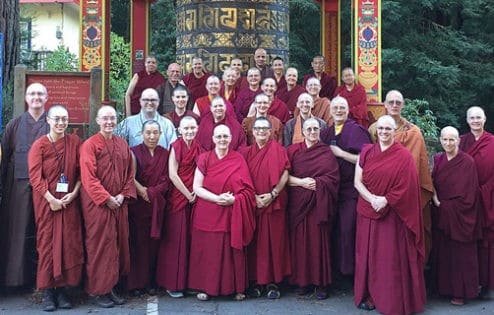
(220, 234)
(456, 226)
(328, 84)
(175, 118)
(351, 139)
(17, 226)
(280, 110)
(145, 81)
(106, 170)
(290, 97)
(195, 85)
(482, 152)
(206, 128)
(389, 252)
(269, 254)
(58, 233)
(281, 83)
(276, 129)
(357, 103)
(204, 106)
(146, 219)
(245, 98)
(233, 94)
(310, 213)
(173, 256)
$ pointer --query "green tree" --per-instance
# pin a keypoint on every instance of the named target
(62, 60)
(163, 33)
(119, 70)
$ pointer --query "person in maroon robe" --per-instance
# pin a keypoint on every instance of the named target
(346, 139)
(196, 80)
(173, 256)
(279, 72)
(292, 91)
(479, 144)
(146, 215)
(268, 254)
(223, 221)
(241, 80)
(107, 180)
(455, 221)
(228, 89)
(17, 228)
(261, 63)
(246, 96)
(328, 82)
(180, 98)
(217, 116)
(389, 251)
(202, 106)
(54, 175)
(150, 77)
(313, 187)
(355, 95)
(321, 104)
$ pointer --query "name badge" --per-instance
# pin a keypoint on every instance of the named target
(62, 187)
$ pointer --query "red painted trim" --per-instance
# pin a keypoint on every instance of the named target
(50, 1)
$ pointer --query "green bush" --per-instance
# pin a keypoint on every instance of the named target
(62, 60)
(119, 70)
(418, 112)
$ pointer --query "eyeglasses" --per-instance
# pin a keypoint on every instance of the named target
(262, 128)
(36, 93)
(219, 137)
(108, 118)
(149, 100)
(312, 129)
(60, 119)
(393, 102)
(384, 128)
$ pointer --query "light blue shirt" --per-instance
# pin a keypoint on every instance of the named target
(130, 129)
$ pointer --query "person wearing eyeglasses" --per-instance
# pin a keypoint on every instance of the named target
(410, 136)
(107, 178)
(312, 192)
(346, 139)
(293, 132)
(131, 127)
(262, 105)
(217, 115)
(321, 104)
(479, 144)
(222, 221)
(268, 254)
(389, 247)
(55, 177)
(17, 230)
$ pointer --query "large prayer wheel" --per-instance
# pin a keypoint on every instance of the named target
(218, 31)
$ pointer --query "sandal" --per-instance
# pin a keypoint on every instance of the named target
(366, 306)
(273, 291)
(302, 290)
(202, 296)
(321, 293)
(255, 291)
(457, 301)
(239, 297)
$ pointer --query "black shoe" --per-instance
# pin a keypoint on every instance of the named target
(366, 306)
(103, 301)
(117, 299)
(62, 300)
(48, 303)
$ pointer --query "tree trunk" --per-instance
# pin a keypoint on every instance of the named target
(9, 26)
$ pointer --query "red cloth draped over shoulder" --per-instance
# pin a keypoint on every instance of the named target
(357, 103)
(204, 106)
(279, 109)
(266, 166)
(206, 128)
(195, 85)
(229, 174)
(392, 173)
(290, 97)
(145, 81)
(152, 172)
(458, 214)
(482, 152)
(317, 162)
(232, 97)
(186, 158)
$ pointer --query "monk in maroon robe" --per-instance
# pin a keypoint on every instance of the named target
(389, 251)
(262, 106)
(146, 215)
(456, 221)
(150, 77)
(196, 80)
(355, 95)
(313, 186)
(277, 107)
(223, 221)
(279, 72)
(346, 139)
(246, 96)
(56, 210)
(173, 257)
(479, 144)
(180, 98)
(328, 82)
(229, 89)
(107, 180)
(289, 94)
(217, 116)
(17, 226)
(268, 254)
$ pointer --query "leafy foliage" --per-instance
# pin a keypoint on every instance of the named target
(62, 60)
(119, 70)
(163, 33)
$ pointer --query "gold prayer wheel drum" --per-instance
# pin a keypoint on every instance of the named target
(218, 31)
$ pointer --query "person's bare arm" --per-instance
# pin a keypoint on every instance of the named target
(129, 92)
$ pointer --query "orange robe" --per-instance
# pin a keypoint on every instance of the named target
(276, 129)
(320, 110)
(106, 170)
(58, 233)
